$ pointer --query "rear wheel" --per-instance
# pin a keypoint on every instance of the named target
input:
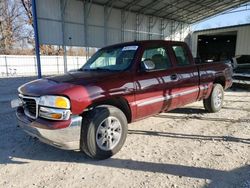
(215, 101)
(104, 131)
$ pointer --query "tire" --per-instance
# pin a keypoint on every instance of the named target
(215, 101)
(104, 131)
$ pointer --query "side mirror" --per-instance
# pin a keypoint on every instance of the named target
(148, 65)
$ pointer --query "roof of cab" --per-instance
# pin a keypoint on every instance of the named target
(144, 43)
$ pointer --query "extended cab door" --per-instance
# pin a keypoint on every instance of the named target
(154, 87)
(186, 73)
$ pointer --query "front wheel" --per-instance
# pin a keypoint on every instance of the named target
(104, 131)
(215, 101)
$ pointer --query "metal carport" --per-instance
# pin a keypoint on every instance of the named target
(96, 23)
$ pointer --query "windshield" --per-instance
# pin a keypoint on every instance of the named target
(114, 59)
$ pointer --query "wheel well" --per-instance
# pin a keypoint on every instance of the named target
(220, 80)
(118, 102)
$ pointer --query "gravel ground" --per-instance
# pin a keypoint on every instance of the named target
(183, 148)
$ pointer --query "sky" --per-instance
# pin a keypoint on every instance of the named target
(223, 20)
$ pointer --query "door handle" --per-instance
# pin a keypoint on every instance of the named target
(174, 77)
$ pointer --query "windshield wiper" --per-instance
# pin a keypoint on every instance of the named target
(99, 69)
(82, 69)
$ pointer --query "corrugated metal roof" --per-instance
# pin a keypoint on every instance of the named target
(188, 11)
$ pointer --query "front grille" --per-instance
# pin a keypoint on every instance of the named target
(30, 106)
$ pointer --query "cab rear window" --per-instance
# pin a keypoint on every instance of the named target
(181, 55)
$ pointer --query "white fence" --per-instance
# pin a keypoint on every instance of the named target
(14, 66)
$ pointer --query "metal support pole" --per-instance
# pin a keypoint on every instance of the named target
(65, 58)
(124, 17)
(37, 45)
(63, 4)
(122, 25)
(77, 62)
(137, 27)
(6, 66)
(150, 26)
(139, 20)
(105, 25)
(181, 31)
(57, 64)
(162, 29)
(87, 8)
(107, 12)
(87, 52)
(171, 30)
(35, 65)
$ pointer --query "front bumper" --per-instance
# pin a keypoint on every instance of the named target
(241, 78)
(243, 82)
(65, 138)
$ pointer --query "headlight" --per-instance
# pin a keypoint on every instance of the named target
(55, 102)
(54, 114)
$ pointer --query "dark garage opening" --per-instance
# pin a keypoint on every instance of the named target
(216, 47)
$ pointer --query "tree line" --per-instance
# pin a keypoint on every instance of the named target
(17, 32)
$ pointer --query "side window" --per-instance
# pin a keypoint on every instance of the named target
(159, 56)
(181, 55)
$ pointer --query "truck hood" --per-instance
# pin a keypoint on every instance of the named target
(83, 77)
(62, 83)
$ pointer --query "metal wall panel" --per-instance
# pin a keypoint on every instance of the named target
(96, 15)
(50, 32)
(155, 28)
(130, 23)
(74, 12)
(48, 9)
(95, 36)
(104, 25)
(114, 36)
(143, 36)
(143, 23)
(74, 35)
(115, 19)
(167, 30)
(129, 36)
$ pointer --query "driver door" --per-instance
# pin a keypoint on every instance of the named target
(154, 87)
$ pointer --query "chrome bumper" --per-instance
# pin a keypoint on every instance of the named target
(245, 82)
(65, 138)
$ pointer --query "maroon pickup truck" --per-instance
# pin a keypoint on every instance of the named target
(89, 109)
